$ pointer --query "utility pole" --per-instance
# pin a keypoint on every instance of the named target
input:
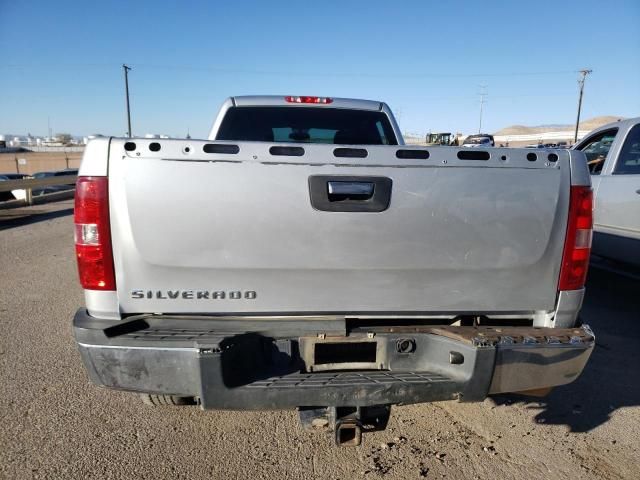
(483, 94)
(584, 73)
(126, 86)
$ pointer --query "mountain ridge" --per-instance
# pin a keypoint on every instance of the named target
(589, 124)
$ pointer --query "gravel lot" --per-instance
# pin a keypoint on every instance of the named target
(55, 424)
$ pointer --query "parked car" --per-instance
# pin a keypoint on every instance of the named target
(613, 158)
(481, 140)
(13, 194)
(55, 188)
(5, 195)
(14, 176)
(314, 262)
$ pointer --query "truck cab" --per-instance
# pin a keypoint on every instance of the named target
(306, 119)
(439, 139)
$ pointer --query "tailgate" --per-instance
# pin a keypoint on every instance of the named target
(197, 232)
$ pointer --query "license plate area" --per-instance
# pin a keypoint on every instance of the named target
(343, 353)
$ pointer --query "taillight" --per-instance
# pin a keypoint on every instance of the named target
(324, 100)
(577, 245)
(93, 235)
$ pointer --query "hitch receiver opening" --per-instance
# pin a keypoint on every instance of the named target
(348, 433)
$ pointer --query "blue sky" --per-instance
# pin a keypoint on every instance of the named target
(426, 59)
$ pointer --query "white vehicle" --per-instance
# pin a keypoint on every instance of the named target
(481, 140)
(613, 157)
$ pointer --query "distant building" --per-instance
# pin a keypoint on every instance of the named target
(51, 142)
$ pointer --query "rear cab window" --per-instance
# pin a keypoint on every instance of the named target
(307, 125)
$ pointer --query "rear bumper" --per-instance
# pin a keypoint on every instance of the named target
(255, 369)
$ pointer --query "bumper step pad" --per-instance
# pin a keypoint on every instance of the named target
(341, 379)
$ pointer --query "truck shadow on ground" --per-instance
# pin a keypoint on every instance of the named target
(11, 218)
(609, 381)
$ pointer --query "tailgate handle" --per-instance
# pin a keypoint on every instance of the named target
(350, 193)
(340, 190)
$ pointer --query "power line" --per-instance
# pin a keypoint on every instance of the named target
(431, 74)
(584, 73)
(324, 73)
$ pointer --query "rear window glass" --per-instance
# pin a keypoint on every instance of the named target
(306, 125)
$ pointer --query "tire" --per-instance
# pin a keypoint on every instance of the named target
(164, 400)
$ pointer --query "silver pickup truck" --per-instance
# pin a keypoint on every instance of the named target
(303, 257)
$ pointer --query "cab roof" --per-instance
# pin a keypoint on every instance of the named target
(280, 101)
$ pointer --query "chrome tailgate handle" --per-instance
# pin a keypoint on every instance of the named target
(351, 189)
(350, 193)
